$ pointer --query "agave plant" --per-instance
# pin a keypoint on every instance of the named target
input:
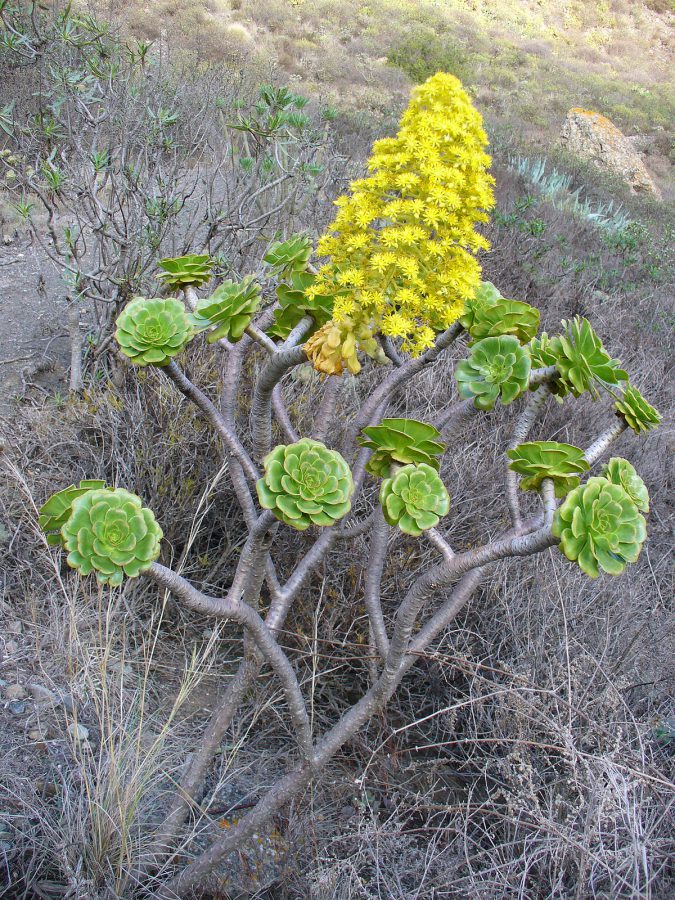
(488, 314)
(600, 527)
(294, 303)
(401, 441)
(150, 332)
(537, 460)
(185, 271)
(498, 368)
(620, 471)
(580, 358)
(306, 484)
(230, 308)
(288, 257)
(111, 533)
(414, 498)
(636, 412)
(57, 510)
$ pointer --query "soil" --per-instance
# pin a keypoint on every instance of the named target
(34, 345)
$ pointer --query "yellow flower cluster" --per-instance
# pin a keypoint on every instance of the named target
(401, 248)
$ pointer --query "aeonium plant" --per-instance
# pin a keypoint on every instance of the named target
(395, 284)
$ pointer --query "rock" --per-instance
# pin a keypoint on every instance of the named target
(7, 239)
(42, 694)
(592, 136)
(36, 735)
(15, 627)
(78, 732)
(15, 692)
(17, 707)
(11, 647)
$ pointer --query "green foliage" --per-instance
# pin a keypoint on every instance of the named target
(306, 484)
(422, 53)
(401, 441)
(185, 271)
(620, 471)
(488, 314)
(636, 412)
(57, 510)
(151, 331)
(414, 499)
(111, 533)
(230, 307)
(294, 304)
(289, 257)
(600, 527)
(580, 358)
(537, 460)
(498, 368)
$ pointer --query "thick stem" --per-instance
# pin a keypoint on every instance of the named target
(598, 447)
(76, 384)
(378, 552)
(282, 417)
(261, 409)
(324, 420)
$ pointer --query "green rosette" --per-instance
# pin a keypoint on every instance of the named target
(498, 368)
(488, 314)
(306, 484)
(151, 332)
(181, 272)
(294, 304)
(537, 460)
(600, 527)
(414, 498)
(111, 534)
(636, 412)
(620, 471)
(56, 511)
(288, 257)
(401, 441)
(230, 308)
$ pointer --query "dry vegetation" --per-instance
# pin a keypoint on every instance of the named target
(530, 754)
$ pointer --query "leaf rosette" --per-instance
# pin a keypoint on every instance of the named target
(488, 314)
(636, 412)
(290, 256)
(600, 527)
(401, 441)
(151, 332)
(295, 302)
(230, 308)
(498, 368)
(537, 460)
(620, 471)
(181, 272)
(111, 533)
(56, 511)
(414, 498)
(306, 484)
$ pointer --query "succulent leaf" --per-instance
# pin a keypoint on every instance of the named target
(55, 512)
(230, 308)
(294, 303)
(620, 471)
(599, 527)
(111, 534)
(150, 332)
(414, 498)
(537, 460)
(290, 256)
(498, 368)
(488, 314)
(306, 484)
(186, 271)
(636, 412)
(401, 441)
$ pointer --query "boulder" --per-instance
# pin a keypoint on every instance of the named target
(592, 136)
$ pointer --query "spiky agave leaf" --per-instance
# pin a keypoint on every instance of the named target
(414, 498)
(305, 484)
(401, 441)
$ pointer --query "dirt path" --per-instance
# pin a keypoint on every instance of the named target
(33, 325)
